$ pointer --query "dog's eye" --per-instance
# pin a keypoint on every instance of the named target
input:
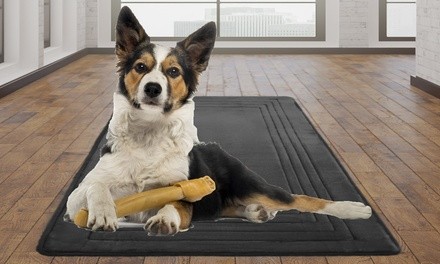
(140, 67)
(173, 72)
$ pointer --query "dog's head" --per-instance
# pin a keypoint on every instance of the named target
(156, 77)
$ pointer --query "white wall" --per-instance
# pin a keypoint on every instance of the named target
(68, 29)
(428, 40)
(24, 34)
(91, 23)
(353, 21)
(22, 41)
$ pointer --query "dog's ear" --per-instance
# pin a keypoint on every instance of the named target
(198, 46)
(129, 33)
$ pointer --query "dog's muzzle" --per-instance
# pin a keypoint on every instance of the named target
(152, 89)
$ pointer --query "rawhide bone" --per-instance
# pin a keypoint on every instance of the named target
(190, 191)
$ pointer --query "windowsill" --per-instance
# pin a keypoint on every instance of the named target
(5, 65)
(11, 71)
(52, 54)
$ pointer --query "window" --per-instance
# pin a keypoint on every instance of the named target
(46, 23)
(236, 20)
(397, 20)
(1, 32)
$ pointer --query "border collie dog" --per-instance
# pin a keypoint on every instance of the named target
(152, 142)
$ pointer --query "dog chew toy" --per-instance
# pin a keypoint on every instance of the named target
(190, 191)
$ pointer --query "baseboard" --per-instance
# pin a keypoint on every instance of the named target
(24, 80)
(426, 86)
(100, 50)
(16, 84)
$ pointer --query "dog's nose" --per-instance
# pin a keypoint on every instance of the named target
(152, 89)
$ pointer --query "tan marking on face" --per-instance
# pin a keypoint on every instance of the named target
(133, 78)
(185, 212)
(147, 59)
(179, 90)
(302, 203)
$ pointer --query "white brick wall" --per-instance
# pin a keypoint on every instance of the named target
(353, 17)
(428, 40)
(91, 23)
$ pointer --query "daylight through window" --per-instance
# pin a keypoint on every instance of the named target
(398, 20)
(235, 19)
(46, 23)
(1, 32)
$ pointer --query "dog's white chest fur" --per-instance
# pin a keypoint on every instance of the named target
(147, 151)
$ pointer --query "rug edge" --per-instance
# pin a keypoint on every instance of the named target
(41, 242)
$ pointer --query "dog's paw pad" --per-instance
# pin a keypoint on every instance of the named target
(103, 220)
(161, 225)
(66, 218)
(257, 213)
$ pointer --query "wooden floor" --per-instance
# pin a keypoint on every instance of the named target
(385, 132)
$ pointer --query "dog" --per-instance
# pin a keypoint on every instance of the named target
(152, 142)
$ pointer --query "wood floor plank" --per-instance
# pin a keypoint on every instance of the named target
(404, 257)
(171, 260)
(350, 260)
(215, 79)
(9, 240)
(230, 78)
(247, 85)
(25, 176)
(303, 260)
(28, 147)
(209, 260)
(74, 260)
(122, 260)
(23, 130)
(258, 260)
(25, 251)
(424, 244)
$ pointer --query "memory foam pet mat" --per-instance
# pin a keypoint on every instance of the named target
(271, 136)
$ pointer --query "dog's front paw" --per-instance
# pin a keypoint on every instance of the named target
(165, 222)
(103, 219)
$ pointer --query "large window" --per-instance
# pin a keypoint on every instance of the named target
(236, 20)
(397, 20)
(1, 32)
(46, 23)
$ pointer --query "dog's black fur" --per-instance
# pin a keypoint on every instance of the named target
(234, 181)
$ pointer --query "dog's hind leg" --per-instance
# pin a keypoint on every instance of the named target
(256, 213)
(262, 205)
(304, 203)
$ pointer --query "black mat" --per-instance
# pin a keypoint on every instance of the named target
(273, 137)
